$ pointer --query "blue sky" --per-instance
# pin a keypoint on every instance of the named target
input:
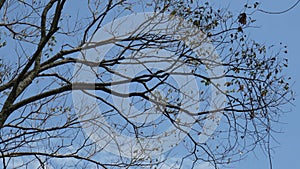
(273, 30)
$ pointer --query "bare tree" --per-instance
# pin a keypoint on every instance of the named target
(120, 84)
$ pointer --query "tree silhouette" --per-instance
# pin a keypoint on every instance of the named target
(119, 84)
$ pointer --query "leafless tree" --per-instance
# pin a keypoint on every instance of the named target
(185, 85)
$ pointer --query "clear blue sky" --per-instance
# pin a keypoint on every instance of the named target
(273, 30)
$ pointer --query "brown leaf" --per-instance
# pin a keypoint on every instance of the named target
(243, 18)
